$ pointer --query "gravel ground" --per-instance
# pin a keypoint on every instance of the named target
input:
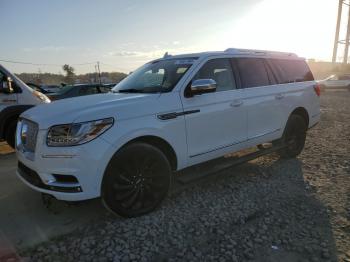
(265, 210)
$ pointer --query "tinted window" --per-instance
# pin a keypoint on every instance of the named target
(105, 89)
(219, 70)
(88, 90)
(2, 76)
(289, 71)
(252, 72)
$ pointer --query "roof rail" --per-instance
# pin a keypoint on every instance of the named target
(259, 52)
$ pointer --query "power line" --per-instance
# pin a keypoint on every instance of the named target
(27, 63)
(43, 64)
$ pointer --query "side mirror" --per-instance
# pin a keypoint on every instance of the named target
(6, 85)
(203, 86)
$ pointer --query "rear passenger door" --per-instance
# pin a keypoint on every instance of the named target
(262, 99)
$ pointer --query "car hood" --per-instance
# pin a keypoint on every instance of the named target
(92, 107)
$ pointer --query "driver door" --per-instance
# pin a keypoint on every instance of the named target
(217, 121)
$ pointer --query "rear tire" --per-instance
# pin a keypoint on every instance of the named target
(136, 180)
(294, 137)
(11, 134)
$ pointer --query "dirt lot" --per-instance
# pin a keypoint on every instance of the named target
(5, 149)
(269, 209)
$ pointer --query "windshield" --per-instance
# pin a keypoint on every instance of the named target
(154, 77)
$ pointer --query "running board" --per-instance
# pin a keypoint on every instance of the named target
(209, 168)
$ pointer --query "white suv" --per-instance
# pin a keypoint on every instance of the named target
(169, 114)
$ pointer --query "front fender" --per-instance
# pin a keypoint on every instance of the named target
(172, 131)
(126, 138)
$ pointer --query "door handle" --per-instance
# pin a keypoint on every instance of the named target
(279, 96)
(236, 103)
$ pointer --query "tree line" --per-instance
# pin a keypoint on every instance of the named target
(69, 77)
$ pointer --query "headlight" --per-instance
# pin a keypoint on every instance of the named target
(41, 96)
(77, 133)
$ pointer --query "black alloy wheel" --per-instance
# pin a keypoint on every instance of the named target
(136, 181)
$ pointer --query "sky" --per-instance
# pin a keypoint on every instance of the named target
(124, 34)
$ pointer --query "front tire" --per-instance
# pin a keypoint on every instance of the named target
(136, 180)
(294, 137)
(11, 133)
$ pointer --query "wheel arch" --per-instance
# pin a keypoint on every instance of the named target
(159, 143)
(301, 111)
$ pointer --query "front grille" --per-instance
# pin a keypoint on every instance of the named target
(29, 134)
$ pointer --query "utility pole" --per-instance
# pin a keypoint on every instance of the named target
(99, 72)
(39, 76)
(336, 38)
(96, 74)
(346, 42)
(346, 50)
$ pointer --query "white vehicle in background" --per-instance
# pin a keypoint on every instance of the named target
(15, 98)
(334, 81)
(170, 114)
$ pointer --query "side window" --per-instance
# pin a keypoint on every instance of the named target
(2, 76)
(105, 89)
(92, 90)
(82, 91)
(87, 90)
(270, 73)
(219, 70)
(252, 72)
(290, 71)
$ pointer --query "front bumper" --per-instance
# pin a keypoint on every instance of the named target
(67, 173)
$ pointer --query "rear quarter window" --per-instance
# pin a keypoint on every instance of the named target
(290, 71)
